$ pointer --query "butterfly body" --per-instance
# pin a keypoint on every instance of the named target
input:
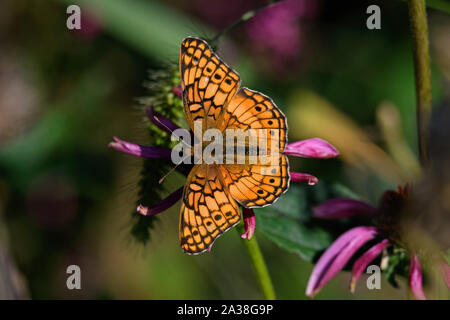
(212, 97)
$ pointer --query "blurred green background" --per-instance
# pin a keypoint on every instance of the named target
(65, 198)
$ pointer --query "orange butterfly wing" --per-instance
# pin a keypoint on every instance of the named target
(207, 82)
(207, 210)
(257, 185)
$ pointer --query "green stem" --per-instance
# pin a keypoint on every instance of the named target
(419, 31)
(441, 5)
(245, 17)
(258, 264)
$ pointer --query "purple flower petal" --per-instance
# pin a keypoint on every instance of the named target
(415, 278)
(341, 208)
(161, 121)
(303, 178)
(336, 257)
(161, 206)
(361, 264)
(249, 223)
(177, 90)
(311, 148)
(140, 151)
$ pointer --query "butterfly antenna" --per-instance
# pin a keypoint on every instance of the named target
(164, 177)
(170, 171)
(171, 131)
(161, 123)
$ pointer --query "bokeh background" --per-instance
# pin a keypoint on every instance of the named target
(65, 198)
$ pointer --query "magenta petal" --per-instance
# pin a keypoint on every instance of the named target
(249, 223)
(311, 148)
(415, 278)
(336, 257)
(161, 206)
(140, 151)
(177, 90)
(161, 121)
(361, 264)
(303, 178)
(341, 208)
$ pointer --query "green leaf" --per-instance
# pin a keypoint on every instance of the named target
(291, 234)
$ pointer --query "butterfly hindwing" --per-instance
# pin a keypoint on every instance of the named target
(207, 209)
(257, 185)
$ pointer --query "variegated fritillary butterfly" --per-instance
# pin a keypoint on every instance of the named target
(212, 94)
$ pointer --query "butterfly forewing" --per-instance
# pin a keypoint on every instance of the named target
(250, 109)
(207, 82)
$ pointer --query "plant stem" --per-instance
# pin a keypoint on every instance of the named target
(258, 264)
(441, 5)
(245, 17)
(419, 31)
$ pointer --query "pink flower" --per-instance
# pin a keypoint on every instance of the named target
(303, 178)
(276, 30)
(336, 257)
(178, 92)
(345, 246)
(140, 151)
(342, 208)
(415, 278)
(361, 264)
(91, 25)
(249, 223)
(161, 206)
(160, 121)
(310, 148)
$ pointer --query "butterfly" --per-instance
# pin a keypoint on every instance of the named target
(213, 192)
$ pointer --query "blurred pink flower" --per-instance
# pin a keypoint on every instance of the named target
(415, 278)
(91, 25)
(276, 30)
(220, 13)
(334, 259)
